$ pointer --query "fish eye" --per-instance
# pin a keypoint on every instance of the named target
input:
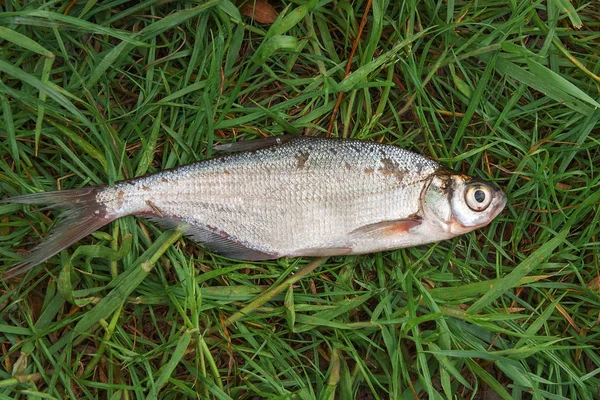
(478, 197)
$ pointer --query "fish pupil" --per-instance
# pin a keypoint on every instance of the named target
(479, 196)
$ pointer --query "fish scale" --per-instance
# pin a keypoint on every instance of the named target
(243, 194)
(289, 197)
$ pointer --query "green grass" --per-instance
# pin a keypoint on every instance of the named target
(96, 92)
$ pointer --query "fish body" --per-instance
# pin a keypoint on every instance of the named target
(304, 197)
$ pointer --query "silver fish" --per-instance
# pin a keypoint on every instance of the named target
(287, 197)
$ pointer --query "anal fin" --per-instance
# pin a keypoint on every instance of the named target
(213, 239)
(221, 243)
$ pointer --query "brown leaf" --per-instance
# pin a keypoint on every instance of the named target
(260, 11)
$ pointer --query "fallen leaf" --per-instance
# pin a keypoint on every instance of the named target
(260, 11)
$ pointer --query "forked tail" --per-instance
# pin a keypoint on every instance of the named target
(83, 215)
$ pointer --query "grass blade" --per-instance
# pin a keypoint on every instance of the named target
(24, 42)
(524, 268)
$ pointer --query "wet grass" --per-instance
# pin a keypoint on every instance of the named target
(96, 92)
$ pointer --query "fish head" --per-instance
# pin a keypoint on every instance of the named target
(459, 203)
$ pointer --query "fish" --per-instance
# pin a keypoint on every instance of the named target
(287, 196)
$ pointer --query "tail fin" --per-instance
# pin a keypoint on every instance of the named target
(83, 216)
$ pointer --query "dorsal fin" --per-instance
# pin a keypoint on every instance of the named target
(256, 144)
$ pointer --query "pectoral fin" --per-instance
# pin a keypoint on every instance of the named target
(388, 228)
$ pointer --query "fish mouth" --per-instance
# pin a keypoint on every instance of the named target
(498, 204)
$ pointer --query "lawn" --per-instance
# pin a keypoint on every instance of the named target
(94, 92)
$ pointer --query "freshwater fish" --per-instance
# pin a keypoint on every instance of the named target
(285, 197)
